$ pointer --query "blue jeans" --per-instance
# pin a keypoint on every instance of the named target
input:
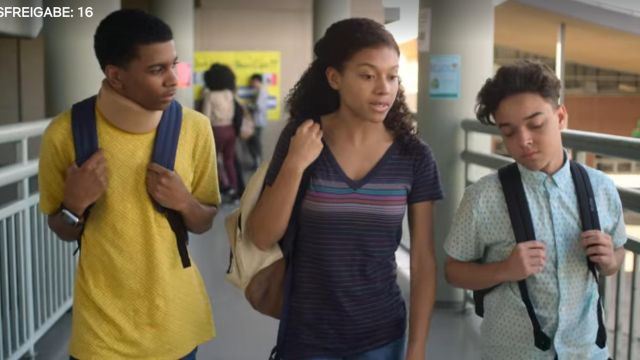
(190, 356)
(391, 351)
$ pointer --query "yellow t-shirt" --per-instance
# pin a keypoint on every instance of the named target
(133, 299)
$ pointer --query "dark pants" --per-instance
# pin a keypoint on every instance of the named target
(190, 356)
(254, 144)
(239, 178)
(225, 137)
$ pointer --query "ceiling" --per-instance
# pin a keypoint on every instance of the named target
(631, 7)
(535, 30)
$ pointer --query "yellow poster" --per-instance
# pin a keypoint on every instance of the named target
(244, 64)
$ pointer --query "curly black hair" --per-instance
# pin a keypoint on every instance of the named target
(524, 76)
(257, 77)
(220, 77)
(119, 34)
(312, 96)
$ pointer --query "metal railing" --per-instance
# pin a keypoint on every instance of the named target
(625, 342)
(36, 269)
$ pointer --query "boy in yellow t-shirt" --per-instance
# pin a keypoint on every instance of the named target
(133, 298)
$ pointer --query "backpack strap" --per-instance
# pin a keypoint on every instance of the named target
(590, 221)
(287, 244)
(165, 144)
(83, 126)
(85, 139)
(164, 153)
(478, 299)
(522, 225)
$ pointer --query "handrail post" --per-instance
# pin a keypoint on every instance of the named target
(618, 321)
(634, 289)
(23, 194)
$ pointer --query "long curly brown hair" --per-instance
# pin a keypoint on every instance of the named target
(312, 96)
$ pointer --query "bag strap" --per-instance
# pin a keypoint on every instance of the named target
(478, 299)
(287, 245)
(165, 144)
(590, 221)
(238, 114)
(522, 225)
(85, 139)
(85, 135)
(164, 153)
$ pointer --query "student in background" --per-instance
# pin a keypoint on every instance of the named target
(218, 103)
(258, 105)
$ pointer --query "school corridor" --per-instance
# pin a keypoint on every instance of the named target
(448, 50)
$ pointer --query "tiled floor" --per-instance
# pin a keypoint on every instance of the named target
(244, 334)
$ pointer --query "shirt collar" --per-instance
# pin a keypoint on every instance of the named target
(538, 178)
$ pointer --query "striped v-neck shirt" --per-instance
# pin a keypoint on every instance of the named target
(345, 299)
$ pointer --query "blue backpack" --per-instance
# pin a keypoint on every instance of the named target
(85, 138)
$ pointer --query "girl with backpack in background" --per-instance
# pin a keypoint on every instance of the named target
(223, 110)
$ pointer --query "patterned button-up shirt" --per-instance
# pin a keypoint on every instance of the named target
(564, 294)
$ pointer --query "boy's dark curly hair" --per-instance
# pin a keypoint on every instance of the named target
(312, 96)
(525, 76)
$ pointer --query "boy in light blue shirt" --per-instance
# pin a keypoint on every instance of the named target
(522, 100)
